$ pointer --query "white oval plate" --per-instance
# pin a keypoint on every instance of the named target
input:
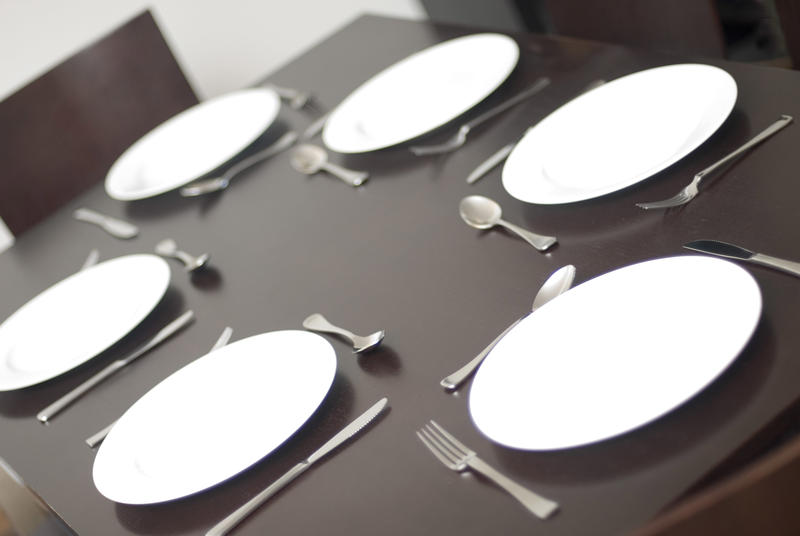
(215, 417)
(79, 317)
(619, 134)
(192, 143)
(421, 92)
(615, 353)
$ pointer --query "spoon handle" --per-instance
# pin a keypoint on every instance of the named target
(351, 177)
(538, 241)
(113, 226)
(317, 322)
(455, 379)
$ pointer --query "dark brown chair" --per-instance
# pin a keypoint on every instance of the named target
(677, 26)
(60, 133)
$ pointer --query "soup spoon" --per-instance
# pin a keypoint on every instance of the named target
(317, 322)
(168, 248)
(483, 213)
(310, 159)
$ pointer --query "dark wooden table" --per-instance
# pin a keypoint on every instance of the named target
(395, 254)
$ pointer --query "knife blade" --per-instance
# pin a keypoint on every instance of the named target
(59, 405)
(487, 165)
(732, 251)
(227, 524)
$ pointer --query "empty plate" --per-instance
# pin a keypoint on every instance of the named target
(615, 353)
(192, 144)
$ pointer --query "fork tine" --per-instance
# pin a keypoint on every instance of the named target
(440, 441)
(458, 444)
(435, 450)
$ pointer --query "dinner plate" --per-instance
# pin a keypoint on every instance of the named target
(615, 353)
(79, 317)
(215, 417)
(422, 92)
(192, 143)
(618, 134)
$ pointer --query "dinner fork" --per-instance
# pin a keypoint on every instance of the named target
(691, 190)
(460, 137)
(458, 457)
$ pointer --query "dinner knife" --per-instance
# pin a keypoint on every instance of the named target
(62, 403)
(227, 524)
(730, 251)
(487, 165)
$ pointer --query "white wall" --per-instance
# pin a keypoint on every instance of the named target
(221, 45)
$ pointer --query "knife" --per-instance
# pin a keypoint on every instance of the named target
(487, 165)
(59, 405)
(227, 524)
(730, 251)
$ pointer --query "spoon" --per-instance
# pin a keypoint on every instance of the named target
(483, 213)
(113, 226)
(559, 282)
(310, 159)
(317, 322)
(168, 248)
(215, 184)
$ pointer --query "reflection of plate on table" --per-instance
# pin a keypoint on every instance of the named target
(192, 143)
(79, 317)
(619, 134)
(420, 93)
(215, 417)
(615, 353)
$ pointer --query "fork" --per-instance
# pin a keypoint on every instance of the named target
(458, 457)
(296, 98)
(691, 190)
(461, 136)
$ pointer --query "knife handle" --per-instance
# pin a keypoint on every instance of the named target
(59, 405)
(783, 265)
(239, 515)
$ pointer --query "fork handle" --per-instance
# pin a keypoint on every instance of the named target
(539, 506)
(763, 135)
(537, 86)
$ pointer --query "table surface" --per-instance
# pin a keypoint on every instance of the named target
(395, 255)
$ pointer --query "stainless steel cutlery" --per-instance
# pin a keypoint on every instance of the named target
(113, 226)
(230, 522)
(460, 137)
(168, 248)
(483, 213)
(456, 456)
(730, 251)
(559, 282)
(216, 184)
(98, 437)
(310, 159)
(317, 322)
(62, 403)
(691, 190)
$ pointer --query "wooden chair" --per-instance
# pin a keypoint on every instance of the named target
(60, 133)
